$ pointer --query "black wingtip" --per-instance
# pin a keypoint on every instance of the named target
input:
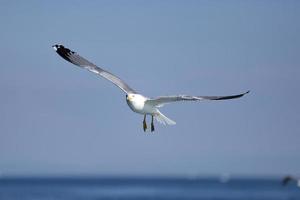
(56, 47)
(243, 93)
(231, 97)
(65, 53)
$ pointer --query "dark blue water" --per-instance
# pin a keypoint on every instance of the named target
(145, 188)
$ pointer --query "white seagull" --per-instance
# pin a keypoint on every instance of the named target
(137, 102)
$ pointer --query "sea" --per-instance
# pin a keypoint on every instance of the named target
(156, 188)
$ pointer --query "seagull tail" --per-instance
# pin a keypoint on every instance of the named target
(163, 119)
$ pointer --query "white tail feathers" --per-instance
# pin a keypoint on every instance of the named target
(163, 119)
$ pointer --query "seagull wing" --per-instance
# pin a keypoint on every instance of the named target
(160, 101)
(76, 59)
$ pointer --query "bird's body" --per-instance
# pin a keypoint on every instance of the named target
(137, 102)
(140, 104)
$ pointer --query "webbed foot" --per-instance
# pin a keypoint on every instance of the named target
(152, 125)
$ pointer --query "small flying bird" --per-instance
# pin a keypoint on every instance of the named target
(137, 102)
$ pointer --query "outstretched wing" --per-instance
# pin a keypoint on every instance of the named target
(159, 101)
(76, 59)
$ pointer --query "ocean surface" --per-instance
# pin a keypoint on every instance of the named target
(146, 188)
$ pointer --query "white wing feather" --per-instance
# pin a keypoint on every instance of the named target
(76, 59)
(160, 101)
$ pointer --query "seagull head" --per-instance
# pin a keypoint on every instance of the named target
(130, 97)
(137, 98)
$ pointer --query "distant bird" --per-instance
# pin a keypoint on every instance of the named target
(137, 102)
(288, 179)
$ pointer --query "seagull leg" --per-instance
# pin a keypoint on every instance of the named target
(152, 124)
(144, 123)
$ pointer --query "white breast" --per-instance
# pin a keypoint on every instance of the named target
(137, 104)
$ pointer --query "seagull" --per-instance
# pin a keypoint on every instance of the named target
(136, 101)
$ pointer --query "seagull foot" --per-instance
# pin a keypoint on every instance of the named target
(152, 127)
(144, 126)
(152, 124)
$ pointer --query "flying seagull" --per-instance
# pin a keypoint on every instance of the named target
(137, 102)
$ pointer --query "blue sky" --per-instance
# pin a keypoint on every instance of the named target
(59, 119)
